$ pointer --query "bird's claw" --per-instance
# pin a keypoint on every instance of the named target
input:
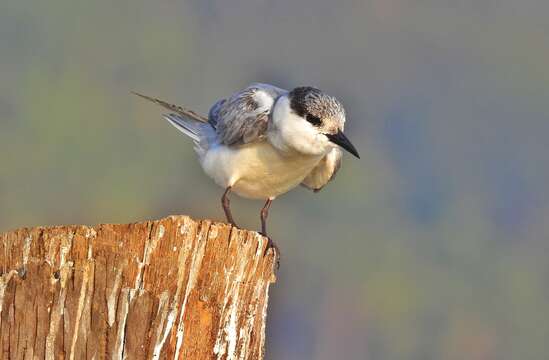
(272, 245)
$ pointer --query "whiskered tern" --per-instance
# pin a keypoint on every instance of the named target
(263, 141)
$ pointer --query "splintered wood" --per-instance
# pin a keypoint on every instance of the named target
(169, 289)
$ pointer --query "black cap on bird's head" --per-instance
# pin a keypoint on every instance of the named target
(322, 111)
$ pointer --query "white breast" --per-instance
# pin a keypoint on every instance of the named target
(258, 170)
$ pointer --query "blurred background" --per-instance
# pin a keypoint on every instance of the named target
(433, 246)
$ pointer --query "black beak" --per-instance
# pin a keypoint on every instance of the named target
(340, 139)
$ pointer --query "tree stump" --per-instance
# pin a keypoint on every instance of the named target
(174, 288)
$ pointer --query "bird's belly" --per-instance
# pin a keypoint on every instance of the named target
(257, 171)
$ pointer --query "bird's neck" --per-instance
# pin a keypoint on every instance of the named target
(289, 133)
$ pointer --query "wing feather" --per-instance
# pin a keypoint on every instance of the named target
(244, 117)
(325, 171)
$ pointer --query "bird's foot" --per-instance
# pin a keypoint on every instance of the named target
(272, 245)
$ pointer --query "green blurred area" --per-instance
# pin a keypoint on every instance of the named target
(433, 246)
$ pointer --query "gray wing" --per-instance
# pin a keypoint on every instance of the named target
(244, 117)
(325, 171)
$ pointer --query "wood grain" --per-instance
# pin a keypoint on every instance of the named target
(175, 288)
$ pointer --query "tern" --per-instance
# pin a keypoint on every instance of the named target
(263, 141)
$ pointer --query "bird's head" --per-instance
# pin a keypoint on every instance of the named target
(309, 121)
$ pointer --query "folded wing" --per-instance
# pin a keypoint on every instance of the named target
(243, 118)
(325, 171)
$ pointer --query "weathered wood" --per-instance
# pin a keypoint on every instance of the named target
(174, 288)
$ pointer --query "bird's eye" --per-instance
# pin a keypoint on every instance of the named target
(314, 120)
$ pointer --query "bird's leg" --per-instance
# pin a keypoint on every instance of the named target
(226, 203)
(264, 214)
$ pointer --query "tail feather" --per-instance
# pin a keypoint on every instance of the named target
(175, 108)
(189, 123)
(187, 127)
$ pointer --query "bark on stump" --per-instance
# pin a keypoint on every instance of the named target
(174, 288)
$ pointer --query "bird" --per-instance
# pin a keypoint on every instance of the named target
(262, 141)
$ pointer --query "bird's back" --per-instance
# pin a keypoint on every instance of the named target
(243, 117)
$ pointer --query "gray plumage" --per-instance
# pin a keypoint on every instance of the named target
(244, 117)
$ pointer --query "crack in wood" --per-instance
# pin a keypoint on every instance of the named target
(173, 288)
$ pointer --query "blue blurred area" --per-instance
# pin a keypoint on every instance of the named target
(432, 246)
